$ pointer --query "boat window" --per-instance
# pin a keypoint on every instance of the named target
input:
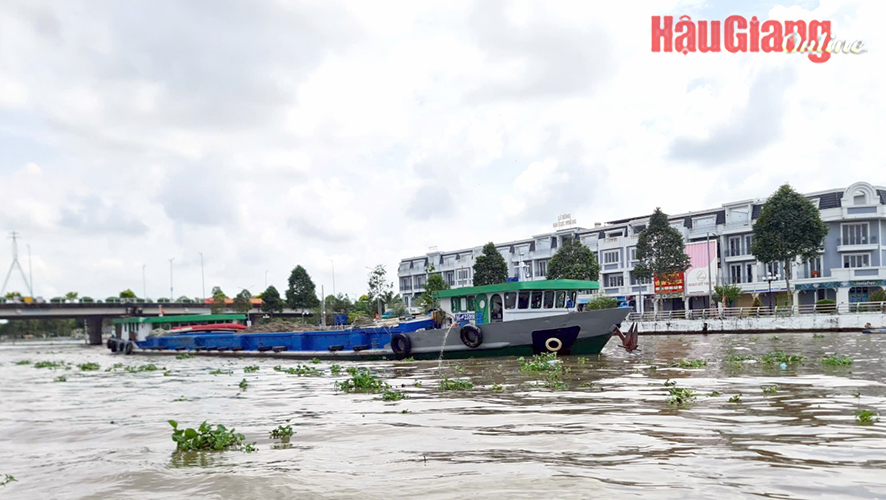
(463, 304)
(571, 298)
(510, 300)
(561, 300)
(523, 300)
(455, 304)
(470, 302)
(549, 299)
(536, 300)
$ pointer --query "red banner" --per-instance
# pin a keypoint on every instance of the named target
(672, 283)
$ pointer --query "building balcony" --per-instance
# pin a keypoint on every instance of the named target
(696, 232)
(857, 244)
(858, 274)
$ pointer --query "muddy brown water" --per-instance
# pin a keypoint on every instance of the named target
(104, 434)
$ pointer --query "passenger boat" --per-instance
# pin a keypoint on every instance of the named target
(506, 319)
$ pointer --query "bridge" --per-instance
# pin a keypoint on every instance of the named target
(94, 314)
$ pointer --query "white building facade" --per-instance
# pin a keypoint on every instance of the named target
(850, 267)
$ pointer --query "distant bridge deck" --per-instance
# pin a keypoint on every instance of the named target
(20, 311)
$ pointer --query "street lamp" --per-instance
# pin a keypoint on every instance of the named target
(710, 279)
(171, 294)
(769, 278)
(202, 276)
(266, 279)
(144, 284)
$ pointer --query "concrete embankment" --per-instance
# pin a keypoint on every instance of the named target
(788, 323)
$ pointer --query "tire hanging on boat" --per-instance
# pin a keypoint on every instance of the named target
(553, 344)
(471, 336)
(127, 349)
(110, 342)
(401, 345)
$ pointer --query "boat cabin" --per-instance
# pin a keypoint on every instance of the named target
(516, 300)
(137, 329)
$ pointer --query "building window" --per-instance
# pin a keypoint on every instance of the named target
(553, 242)
(704, 222)
(855, 234)
(542, 268)
(420, 282)
(814, 267)
(749, 273)
(610, 257)
(775, 269)
(615, 280)
(739, 245)
(405, 284)
(856, 260)
(633, 254)
(449, 276)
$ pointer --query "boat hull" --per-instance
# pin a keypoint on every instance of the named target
(578, 333)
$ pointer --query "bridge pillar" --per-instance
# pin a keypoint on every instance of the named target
(94, 327)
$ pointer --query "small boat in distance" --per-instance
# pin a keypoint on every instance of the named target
(505, 319)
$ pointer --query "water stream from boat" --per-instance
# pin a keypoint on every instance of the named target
(753, 429)
(443, 345)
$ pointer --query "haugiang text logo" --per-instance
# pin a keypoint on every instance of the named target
(813, 38)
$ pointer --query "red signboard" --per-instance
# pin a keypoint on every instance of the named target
(670, 284)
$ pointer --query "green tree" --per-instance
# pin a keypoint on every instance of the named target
(573, 261)
(71, 295)
(127, 294)
(878, 296)
(13, 295)
(301, 293)
(660, 250)
(728, 294)
(271, 301)
(602, 302)
(394, 303)
(429, 300)
(789, 227)
(378, 286)
(218, 300)
(490, 268)
(242, 302)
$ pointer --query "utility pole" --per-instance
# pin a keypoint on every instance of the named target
(333, 278)
(171, 295)
(15, 264)
(144, 284)
(266, 279)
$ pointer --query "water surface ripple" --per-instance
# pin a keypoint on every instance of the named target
(104, 434)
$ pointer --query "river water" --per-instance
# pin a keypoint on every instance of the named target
(104, 434)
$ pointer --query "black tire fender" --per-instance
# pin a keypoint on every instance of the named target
(127, 349)
(401, 345)
(471, 336)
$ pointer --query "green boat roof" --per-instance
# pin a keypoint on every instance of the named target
(521, 285)
(182, 318)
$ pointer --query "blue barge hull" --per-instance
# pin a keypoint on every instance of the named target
(326, 341)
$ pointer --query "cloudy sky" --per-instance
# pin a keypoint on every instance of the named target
(267, 134)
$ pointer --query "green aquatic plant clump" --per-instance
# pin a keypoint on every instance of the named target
(60, 378)
(250, 369)
(300, 370)
(335, 369)
(281, 432)
(781, 357)
(8, 478)
(89, 366)
(539, 362)
(393, 396)
(206, 437)
(678, 396)
(143, 368)
(243, 385)
(836, 360)
(219, 371)
(49, 364)
(184, 355)
(771, 389)
(451, 384)
(689, 363)
(866, 417)
(735, 399)
(739, 358)
(361, 380)
(23, 362)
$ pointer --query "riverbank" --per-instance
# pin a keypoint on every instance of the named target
(848, 322)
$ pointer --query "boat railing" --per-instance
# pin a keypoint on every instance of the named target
(761, 312)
